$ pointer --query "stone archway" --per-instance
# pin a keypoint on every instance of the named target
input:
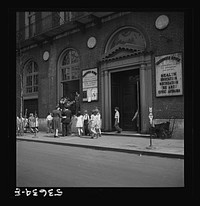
(126, 50)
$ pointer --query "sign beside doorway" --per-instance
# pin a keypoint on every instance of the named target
(169, 75)
(90, 84)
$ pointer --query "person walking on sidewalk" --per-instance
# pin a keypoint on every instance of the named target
(117, 116)
(56, 120)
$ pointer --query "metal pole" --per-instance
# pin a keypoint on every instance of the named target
(35, 125)
(150, 140)
(151, 123)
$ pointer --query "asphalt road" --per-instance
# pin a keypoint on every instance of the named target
(48, 165)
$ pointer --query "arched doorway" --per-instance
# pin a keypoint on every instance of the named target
(126, 79)
(125, 94)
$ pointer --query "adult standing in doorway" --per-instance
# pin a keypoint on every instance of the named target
(136, 117)
(56, 120)
(66, 119)
(117, 117)
(77, 101)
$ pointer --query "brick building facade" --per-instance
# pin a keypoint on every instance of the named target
(110, 58)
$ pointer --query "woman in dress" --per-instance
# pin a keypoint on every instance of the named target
(56, 120)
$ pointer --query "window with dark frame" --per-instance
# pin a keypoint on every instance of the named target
(31, 77)
(70, 69)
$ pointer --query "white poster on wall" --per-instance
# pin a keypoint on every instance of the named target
(90, 84)
(169, 75)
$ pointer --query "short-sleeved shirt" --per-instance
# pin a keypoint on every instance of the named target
(117, 115)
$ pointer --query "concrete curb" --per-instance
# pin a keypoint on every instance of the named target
(127, 134)
(139, 152)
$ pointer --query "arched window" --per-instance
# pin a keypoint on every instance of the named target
(69, 65)
(68, 77)
(31, 78)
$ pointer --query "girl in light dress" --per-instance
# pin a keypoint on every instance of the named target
(95, 124)
(79, 123)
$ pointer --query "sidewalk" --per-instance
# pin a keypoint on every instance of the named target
(173, 148)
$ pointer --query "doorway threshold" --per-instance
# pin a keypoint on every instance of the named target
(127, 133)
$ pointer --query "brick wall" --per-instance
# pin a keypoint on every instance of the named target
(163, 108)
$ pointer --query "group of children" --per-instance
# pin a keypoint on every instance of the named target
(89, 125)
(81, 124)
(27, 124)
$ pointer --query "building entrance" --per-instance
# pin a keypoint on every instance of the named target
(125, 95)
(30, 106)
(69, 90)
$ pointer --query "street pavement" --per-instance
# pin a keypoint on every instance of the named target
(51, 165)
(124, 142)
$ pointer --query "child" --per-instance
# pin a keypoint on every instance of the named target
(116, 125)
(95, 124)
(31, 122)
(18, 125)
(36, 123)
(86, 120)
(79, 123)
(92, 124)
(98, 123)
(49, 123)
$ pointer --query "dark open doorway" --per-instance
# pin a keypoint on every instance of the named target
(69, 90)
(30, 106)
(125, 95)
